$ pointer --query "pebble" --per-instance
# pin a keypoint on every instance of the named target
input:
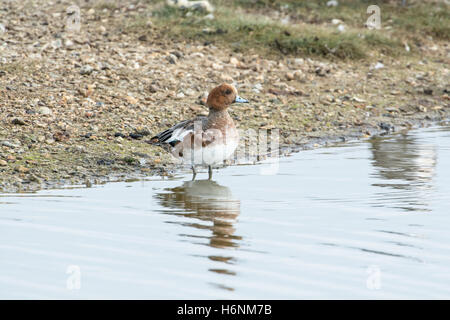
(102, 29)
(18, 121)
(227, 78)
(172, 59)
(234, 61)
(132, 100)
(9, 144)
(298, 74)
(68, 43)
(86, 69)
(34, 178)
(332, 3)
(378, 65)
(202, 5)
(217, 66)
(336, 21)
(197, 55)
(45, 111)
(257, 88)
(21, 169)
(3, 163)
(189, 92)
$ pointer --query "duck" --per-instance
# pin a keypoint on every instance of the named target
(205, 140)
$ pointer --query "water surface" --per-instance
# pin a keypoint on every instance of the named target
(362, 220)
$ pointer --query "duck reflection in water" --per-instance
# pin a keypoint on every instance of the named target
(206, 201)
(406, 166)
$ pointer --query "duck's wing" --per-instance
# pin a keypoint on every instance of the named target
(176, 134)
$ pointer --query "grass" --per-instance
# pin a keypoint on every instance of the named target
(251, 26)
(422, 16)
(105, 4)
(250, 31)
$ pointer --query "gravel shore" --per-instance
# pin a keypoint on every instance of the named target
(78, 107)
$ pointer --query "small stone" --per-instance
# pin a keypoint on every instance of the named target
(136, 136)
(298, 74)
(102, 29)
(86, 69)
(197, 55)
(22, 169)
(177, 54)
(407, 48)
(358, 99)
(61, 136)
(290, 76)
(172, 59)
(217, 66)
(9, 144)
(153, 88)
(386, 126)
(3, 163)
(299, 61)
(234, 61)
(257, 88)
(33, 178)
(68, 43)
(378, 65)
(332, 3)
(189, 92)
(119, 135)
(18, 121)
(132, 100)
(202, 5)
(45, 111)
(227, 78)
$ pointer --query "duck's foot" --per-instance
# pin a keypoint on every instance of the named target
(194, 173)
(209, 172)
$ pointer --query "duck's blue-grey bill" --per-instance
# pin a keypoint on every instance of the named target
(239, 99)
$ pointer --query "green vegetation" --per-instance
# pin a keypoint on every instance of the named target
(256, 25)
(427, 17)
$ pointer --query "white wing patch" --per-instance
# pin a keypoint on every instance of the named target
(178, 135)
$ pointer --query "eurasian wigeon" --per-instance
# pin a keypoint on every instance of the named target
(205, 141)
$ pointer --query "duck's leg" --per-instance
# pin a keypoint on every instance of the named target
(209, 172)
(194, 173)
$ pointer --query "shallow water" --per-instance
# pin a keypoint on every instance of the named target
(362, 220)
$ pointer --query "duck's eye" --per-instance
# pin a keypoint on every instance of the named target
(228, 91)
